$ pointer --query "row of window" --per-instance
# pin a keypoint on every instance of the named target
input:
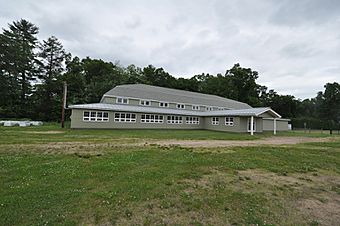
(125, 117)
(192, 120)
(228, 121)
(96, 116)
(148, 118)
(100, 116)
(122, 100)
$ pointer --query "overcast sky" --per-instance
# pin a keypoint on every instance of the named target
(293, 44)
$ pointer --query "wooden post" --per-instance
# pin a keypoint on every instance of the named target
(274, 126)
(63, 106)
(252, 125)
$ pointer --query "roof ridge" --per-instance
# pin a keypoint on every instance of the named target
(181, 90)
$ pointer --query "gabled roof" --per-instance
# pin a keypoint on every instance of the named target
(142, 91)
(155, 110)
(243, 112)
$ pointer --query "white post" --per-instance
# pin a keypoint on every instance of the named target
(274, 126)
(252, 125)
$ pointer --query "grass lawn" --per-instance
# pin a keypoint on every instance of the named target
(53, 133)
(164, 185)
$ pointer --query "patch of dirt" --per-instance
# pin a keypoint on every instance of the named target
(91, 148)
(326, 212)
(241, 143)
(114, 144)
(45, 132)
(273, 179)
(306, 197)
(154, 212)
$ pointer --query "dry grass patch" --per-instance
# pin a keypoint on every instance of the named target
(270, 141)
(44, 132)
(296, 198)
(92, 148)
(174, 212)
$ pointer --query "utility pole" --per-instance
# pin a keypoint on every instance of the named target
(63, 105)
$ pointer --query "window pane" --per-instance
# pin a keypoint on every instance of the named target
(86, 114)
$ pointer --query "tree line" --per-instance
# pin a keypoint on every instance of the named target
(32, 74)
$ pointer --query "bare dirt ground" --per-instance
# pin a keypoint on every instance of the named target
(45, 132)
(241, 143)
(95, 148)
(296, 198)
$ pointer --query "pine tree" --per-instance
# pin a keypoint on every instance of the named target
(52, 58)
(18, 60)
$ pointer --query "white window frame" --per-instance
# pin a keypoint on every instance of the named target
(163, 104)
(180, 106)
(195, 107)
(95, 116)
(151, 118)
(209, 108)
(125, 117)
(124, 100)
(192, 120)
(145, 102)
(174, 119)
(215, 121)
(229, 121)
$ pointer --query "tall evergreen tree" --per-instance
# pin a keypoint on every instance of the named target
(47, 97)
(52, 58)
(18, 57)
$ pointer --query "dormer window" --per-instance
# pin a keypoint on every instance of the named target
(164, 104)
(209, 108)
(180, 106)
(195, 107)
(122, 100)
(145, 102)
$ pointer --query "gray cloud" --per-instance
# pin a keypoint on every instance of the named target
(294, 45)
(295, 13)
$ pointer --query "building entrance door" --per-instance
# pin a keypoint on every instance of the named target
(254, 125)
